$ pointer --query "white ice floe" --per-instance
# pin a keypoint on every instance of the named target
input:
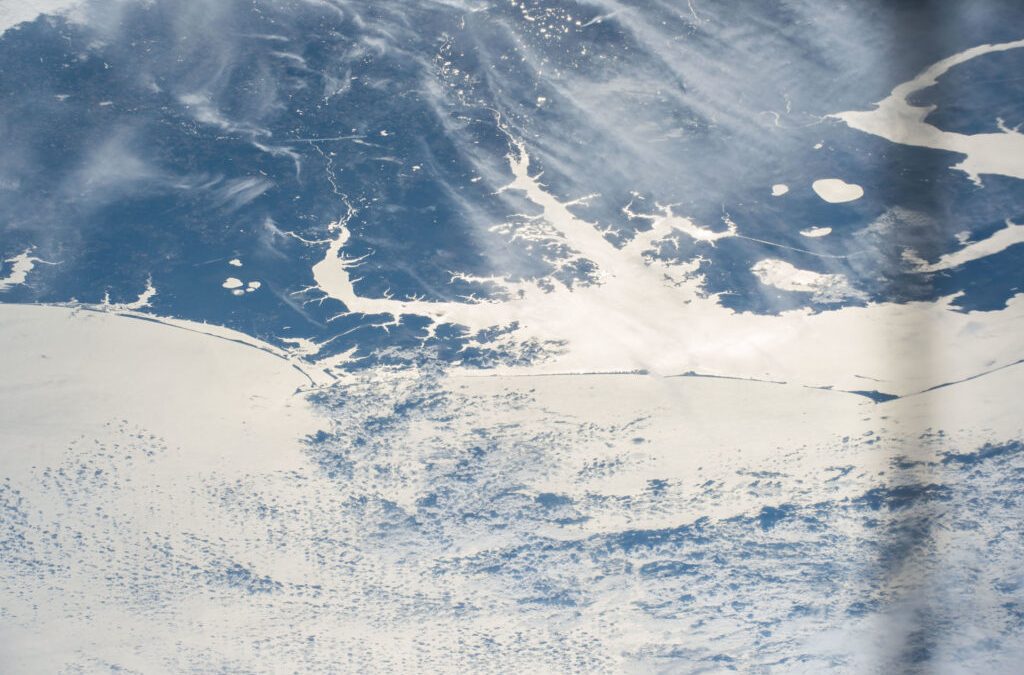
(837, 191)
(235, 262)
(998, 242)
(143, 301)
(816, 232)
(20, 266)
(779, 189)
(666, 222)
(896, 119)
(239, 287)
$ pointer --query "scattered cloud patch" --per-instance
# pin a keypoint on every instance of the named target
(827, 288)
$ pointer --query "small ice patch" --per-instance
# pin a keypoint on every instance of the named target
(239, 287)
(837, 191)
(235, 262)
(779, 189)
(816, 231)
